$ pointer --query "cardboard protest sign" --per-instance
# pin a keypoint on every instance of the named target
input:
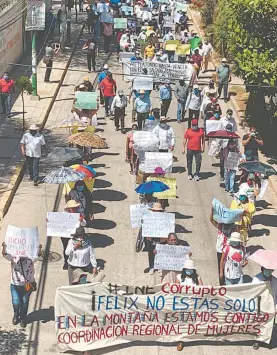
(136, 214)
(158, 224)
(150, 125)
(145, 141)
(168, 194)
(157, 159)
(213, 126)
(62, 224)
(171, 257)
(232, 161)
(125, 56)
(158, 71)
(127, 10)
(222, 214)
(22, 242)
(85, 100)
(143, 82)
(169, 24)
(183, 49)
(181, 7)
(106, 17)
(120, 22)
(171, 45)
(98, 315)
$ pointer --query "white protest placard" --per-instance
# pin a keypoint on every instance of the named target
(157, 159)
(106, 17)
(222, 214)
(99, 315)
(263, 188)
(143, 82)
(171, 257)
(158, 224)
(125, 56)
(213, 126)
(22, 242)
(158, 71)
(232, 161)
(150, 125)
(62, 224)
(145, 141)
(127, 10)
(137, 212)
(169, 24)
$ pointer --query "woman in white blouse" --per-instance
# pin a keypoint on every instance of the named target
(80, 254)
(22, 284)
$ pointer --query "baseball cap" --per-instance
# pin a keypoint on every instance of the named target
(194, 122)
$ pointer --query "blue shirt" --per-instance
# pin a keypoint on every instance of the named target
(102, 76)
(143, 105)
(165, 93)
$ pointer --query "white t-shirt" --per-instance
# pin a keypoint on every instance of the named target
(245, 189)
(33, 144)
(273, 283)
(225, 121)
(233, 262)
(207, 48)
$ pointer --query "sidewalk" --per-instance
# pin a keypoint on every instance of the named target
(239, 114)
(11, 162)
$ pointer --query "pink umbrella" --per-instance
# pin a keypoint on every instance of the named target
(265, 258)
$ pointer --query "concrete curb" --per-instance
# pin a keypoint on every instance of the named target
(8, 195)
(236, 109)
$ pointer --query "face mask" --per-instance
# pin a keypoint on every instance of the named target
(80, 188)
(229, 116)
(141, 96)
(235, 244)
(6, 77)
(253, 134)
(267, 272)
(242, 199)
(196, 91)
(216, 115)
(195, 128)
(250, 182)
(120, 95)
(189, 272)
(232, 147)
(134, 130)
(181, 82)
(33, 133)
(163, 124)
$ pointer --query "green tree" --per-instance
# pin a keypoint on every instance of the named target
(25, 86)
(208, 11)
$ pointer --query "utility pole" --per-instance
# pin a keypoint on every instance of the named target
(34, 64)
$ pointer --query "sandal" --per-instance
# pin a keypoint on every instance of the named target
(180, 346)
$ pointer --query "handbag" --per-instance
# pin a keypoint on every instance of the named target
(29, 286)
(46, 59)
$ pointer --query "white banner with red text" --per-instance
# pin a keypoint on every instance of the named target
(98, 315)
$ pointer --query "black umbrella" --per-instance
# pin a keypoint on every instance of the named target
(63, 154)
(257, 167)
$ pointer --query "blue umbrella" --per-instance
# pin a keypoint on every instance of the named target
(64, 175)
(91, 169)
(151, 186)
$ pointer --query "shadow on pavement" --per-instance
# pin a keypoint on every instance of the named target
(100, 240)
(181, 229)
(178, 169)
(96, 155)
(206, 175)
(12, 341)
(265, 220)
(259, 232)
(45, 315)
(253, 248)
(101, 184)
(98, 208)
(101, 263)
(103, 224)
(179, 215)
(108, 195)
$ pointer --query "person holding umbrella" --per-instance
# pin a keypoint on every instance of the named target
(80, 254)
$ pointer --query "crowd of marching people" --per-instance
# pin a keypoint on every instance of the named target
(158, 33)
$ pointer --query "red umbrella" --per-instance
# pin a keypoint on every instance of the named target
(222, 134)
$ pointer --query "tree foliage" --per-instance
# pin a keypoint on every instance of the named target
(248, 30)
(208, 11)
(24, 85)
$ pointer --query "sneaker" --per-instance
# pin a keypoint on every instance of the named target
(35, 183)
(123, 131)
(117, 129)
(190, 177)
(231, 193)
(151, 272)
(147, 270)
(23, 323)
(15, 320)
(226, 190)
(196, 177)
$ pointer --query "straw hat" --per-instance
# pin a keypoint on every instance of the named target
(163, 118)
(141, 91)
(224, 60)
(72, 204)
(235, 237)
(156, 207)
(33, 127)
(86, 78)
(106, 67)
(189, 264)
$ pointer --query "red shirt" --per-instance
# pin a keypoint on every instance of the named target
(108, 87)
(6, 86)
(194, 138)
(197, 59)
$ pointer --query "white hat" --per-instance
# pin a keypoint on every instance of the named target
(189, 264)
(235, 237)
(195, 86)
(33, 127)
(163, 118)
(72, 204)
(141, 91)
(106, 66)
(156, 207)
(224, 60)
